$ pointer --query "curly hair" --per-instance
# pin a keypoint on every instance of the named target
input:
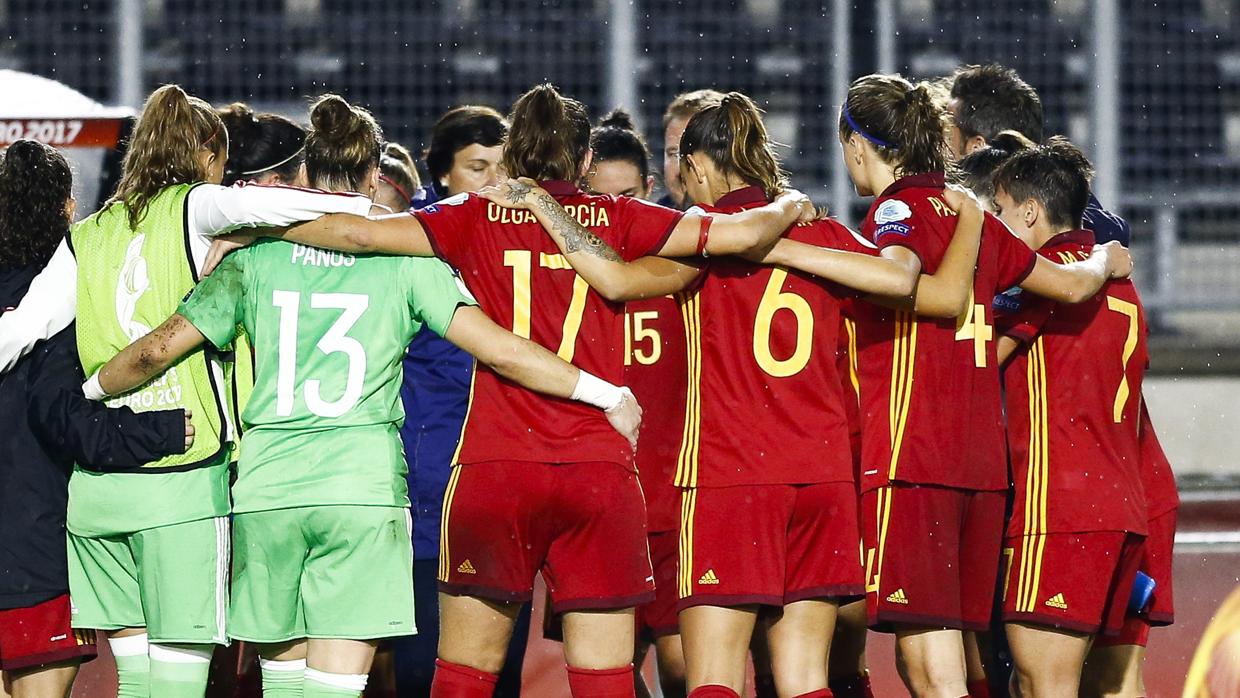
(35, 186)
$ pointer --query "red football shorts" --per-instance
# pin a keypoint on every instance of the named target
(658, 618)
(768, 544)
(40, 634)
(1156, 561)
(583, 525)
(1074, 581)
(932, 556)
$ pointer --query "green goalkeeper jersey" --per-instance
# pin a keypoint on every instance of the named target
(329, 331)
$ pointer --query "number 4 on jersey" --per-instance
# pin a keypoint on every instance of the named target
(972, 325)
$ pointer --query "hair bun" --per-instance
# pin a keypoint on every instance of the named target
(334, 120)
(618, 118)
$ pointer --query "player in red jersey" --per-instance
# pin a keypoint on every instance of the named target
(542, 484)
(654, 369)
(932, 452)
(1114, 667)
(768, 515)
(1079, 519)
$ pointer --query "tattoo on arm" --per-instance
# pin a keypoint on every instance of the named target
(517, 191)
(576, 236)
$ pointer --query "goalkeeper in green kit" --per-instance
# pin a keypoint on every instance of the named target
(322, 556)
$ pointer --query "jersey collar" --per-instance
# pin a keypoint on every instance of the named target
(928, 180)
(1071, 237)
(742, 197)
(559, 188)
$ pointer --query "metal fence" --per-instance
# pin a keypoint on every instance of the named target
(1150, 89)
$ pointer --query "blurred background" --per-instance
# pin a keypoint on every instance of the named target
(1150, 89)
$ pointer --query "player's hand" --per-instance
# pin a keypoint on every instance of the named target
(960, 198)
(189, 430)
(1119, 259)
(626, 418)
(514, 193)
(806, 211)
(221, 245)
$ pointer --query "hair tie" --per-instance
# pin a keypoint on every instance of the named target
(214, 132)
(860, 131)
(399, 189)
(278, 164)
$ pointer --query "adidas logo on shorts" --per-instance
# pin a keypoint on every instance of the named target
(708, 578)
(898, 596)
(1057, 601)
(466, 567)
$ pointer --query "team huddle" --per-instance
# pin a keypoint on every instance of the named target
(728, 427)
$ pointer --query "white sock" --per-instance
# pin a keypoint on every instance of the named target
(344, 682)
(130, 646)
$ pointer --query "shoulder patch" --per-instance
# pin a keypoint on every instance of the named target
(450, 201)
(891, 229)
(892, 210)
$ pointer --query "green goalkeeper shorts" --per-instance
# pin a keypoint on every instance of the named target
(335, 572)
(171, 580)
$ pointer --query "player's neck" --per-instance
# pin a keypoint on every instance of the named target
(880, 179)
(1043, 234)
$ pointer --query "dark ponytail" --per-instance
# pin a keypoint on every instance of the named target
(35, 186)
(548, 136)
(616, 138)
(261, 143)
(733, 136)
(903, 122)
(342, 146)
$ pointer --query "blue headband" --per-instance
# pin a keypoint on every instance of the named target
(860, 131)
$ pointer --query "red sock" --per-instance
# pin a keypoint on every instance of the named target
(458, 681)
(979, 688)
(855, 686)
(713, 691)
(764, 686)
(601, 683)
(820, 693)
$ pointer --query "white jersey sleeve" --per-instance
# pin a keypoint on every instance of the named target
(214, 210)
(48, 307)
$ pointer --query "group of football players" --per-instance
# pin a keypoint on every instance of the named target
(724, 424)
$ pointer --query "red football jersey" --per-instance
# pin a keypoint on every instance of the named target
(931, 407)
(1161, 494)
(765, 404)
(846, 366)
(655, 370)
(1074, 406)
(525, 285)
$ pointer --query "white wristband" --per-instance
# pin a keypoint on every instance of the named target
(593, 390)
(92, 390)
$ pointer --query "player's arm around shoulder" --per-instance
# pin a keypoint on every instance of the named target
(211, 312)
(602, 267)
(1079, 281)
(536, 368)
